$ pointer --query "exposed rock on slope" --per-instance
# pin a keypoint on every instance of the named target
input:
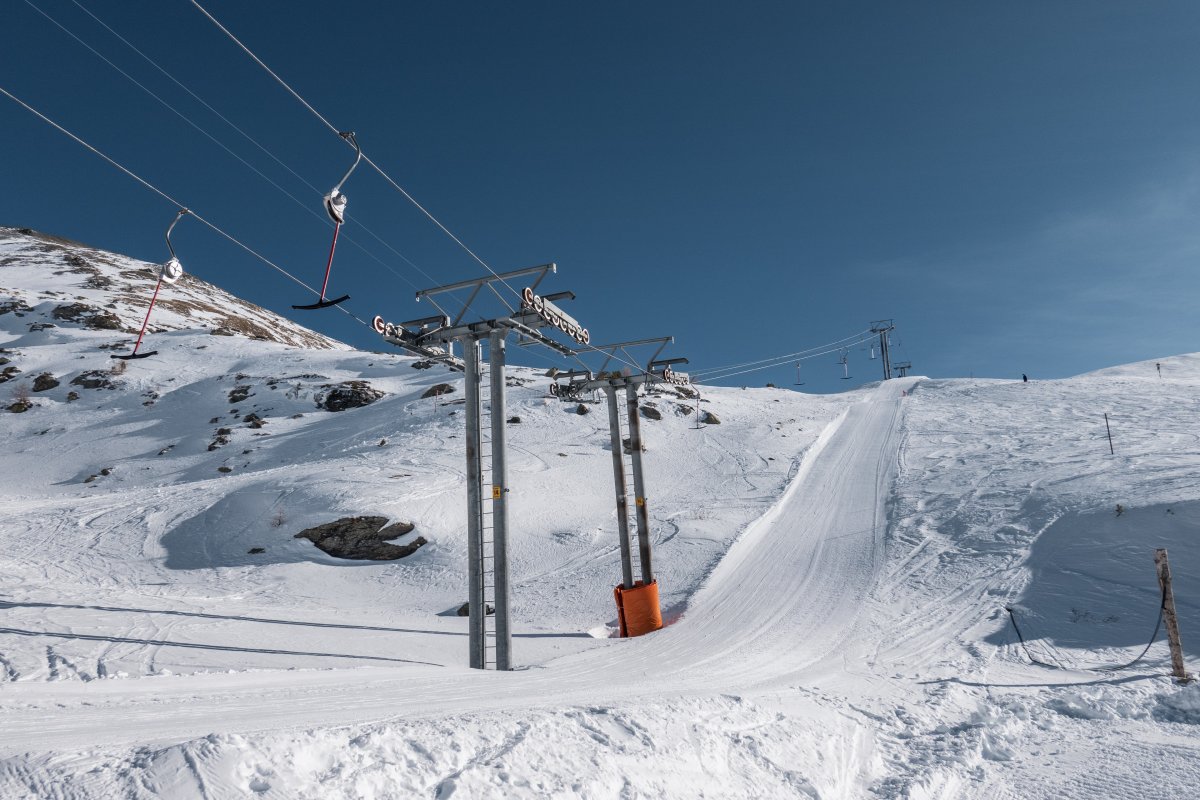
(362, 537)
(111, 291)
(348, 394)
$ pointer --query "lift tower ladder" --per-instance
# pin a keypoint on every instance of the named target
(434, 338)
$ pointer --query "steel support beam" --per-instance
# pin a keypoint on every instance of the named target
(477, 628)
(622, 491)
(639, 484)
(496, 355)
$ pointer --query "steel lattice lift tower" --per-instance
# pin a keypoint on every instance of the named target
(433, 338)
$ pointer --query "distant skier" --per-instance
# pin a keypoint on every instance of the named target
(1024, 378)
(1158, 366)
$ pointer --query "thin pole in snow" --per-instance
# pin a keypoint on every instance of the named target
(1109, 429)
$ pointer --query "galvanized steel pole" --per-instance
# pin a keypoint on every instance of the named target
(614, 434)
(639, 484)
(476, 606)
(496, 355)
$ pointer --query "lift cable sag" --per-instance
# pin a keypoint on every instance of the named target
(168, 197)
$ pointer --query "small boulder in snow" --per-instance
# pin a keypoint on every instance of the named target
(438, 390)
(44, 382)
(348, 394)
(93, 379)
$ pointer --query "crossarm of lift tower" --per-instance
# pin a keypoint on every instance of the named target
(432, 337)
(573, 384)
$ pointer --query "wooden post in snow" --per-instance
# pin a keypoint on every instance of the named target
(1164, 583)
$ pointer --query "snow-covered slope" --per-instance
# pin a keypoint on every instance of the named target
(834, 570)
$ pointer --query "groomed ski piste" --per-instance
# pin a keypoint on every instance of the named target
(834, 569)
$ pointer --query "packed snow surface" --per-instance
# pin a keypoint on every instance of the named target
(834, 571)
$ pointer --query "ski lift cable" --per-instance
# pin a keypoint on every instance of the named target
(167, 197)
(196, 97)
(781, 362)
(270, 154)
(365, 157)
(369, 160)
(248, 165)
(198, 217)
(837, 343)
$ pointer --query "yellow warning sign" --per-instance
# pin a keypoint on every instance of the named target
(496, 490)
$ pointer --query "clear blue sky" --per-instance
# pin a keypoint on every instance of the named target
(1016, 184)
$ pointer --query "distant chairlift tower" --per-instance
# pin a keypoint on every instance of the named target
(487, 489)
(883, 327)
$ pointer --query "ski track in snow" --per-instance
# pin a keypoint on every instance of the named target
(835, 569)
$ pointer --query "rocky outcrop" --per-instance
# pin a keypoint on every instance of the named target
(44, 382)
(438, 390)
(87, 316)
(239, 393)
(93, 379)
(363, 538)
(346, 395)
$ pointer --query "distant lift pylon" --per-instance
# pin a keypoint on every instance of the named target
(335, 206)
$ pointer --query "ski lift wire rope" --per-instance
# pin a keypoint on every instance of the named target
(215, 228)
(365, 157)
(776, 361)
(248, 165)
(836, 344)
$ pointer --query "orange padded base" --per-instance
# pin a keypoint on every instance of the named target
(637, 609)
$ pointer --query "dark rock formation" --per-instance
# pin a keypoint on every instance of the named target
(362, 538)
(438, 390)
(650, 412)
(239, 393)
(18, 307)
(465, 610)
(44, 382)
(93, 379)
(87, 316)
(348, 394)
